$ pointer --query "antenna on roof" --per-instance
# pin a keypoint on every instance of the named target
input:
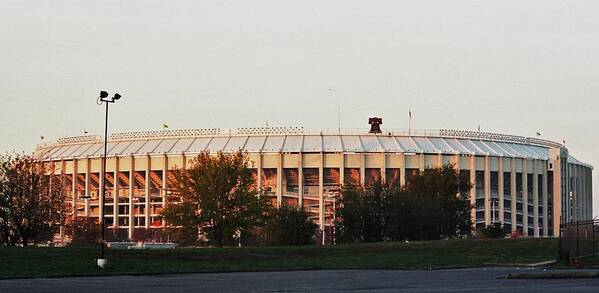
(339, 119)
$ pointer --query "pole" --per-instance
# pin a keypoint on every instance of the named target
(334, 220)
(103, 192)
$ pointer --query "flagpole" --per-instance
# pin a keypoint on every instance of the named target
(409, 122)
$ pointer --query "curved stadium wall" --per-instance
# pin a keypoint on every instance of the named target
(530, 185)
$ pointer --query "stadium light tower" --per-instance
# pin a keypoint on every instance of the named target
(103, 98)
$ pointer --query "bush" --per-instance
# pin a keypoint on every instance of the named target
(290, 225)
(493, 231)
(85, 231)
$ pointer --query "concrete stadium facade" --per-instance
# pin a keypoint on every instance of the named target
(530, 185)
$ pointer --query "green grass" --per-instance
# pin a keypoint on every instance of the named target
(18, 262)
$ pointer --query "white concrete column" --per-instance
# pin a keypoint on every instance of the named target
(300, 180)
(131, 207)
(259, 171)
(116, 190)
(342, 169)
(280, 180)
(164, 180)
(362, 169)
(513, 195)
(545, 201)
(321, 192)
(525, 197)
(535, 199)
(501, 192)
(402, 171)
(74, 195)
(487, 191)
(473, 190)
(422, 162)
(456, 162)
(147, 195)
(102, 190)
(87, 189)
(383, 167)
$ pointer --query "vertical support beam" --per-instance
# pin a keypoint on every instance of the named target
(513, 192)
(102, 191)
(131, 206)
(362, 169)
(402, 171)
(439, 160)
(487, 191)
(300, 180)
(164, 181)
(525, 197)
(557, 190)
(280, 180)
(545, 201)
(116, 190)
(421, 165)
(87, 189)
(74, 196)
(342, 169)
(321, 193)
(535, 199)
(501, 191)
(259, 172)
(147, 195)
(456, 162)
(383, 167)
(473, 190)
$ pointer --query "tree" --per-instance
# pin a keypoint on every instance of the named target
(430, 206)
(363, 212)
(31, 203)
(493, 231)
(218, 196)
(290, 225)
(85, 231)
(439, 206)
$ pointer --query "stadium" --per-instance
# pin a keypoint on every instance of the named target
(530, 185)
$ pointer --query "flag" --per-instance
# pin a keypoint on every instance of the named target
(410, 113)
(42, 137)
(538, 133)
(164, 125)
(564, 141)
(479, 128)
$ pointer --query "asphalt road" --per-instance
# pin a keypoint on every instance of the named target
(457, 280)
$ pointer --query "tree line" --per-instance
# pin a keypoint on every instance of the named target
(218, 203)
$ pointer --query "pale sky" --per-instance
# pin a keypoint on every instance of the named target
(513, 67)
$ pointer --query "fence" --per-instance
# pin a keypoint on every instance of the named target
(578, 239)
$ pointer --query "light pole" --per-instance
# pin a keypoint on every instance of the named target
(331, 196)
(493, 217)
(103, 98)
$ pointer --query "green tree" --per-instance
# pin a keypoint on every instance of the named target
(218, 196)
(493, 231)
(31, 204)
(290, 225)
(430, 206)
(84, 231)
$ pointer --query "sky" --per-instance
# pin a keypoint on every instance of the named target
(516, 67)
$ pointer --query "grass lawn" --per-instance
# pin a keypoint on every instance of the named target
(16, 262)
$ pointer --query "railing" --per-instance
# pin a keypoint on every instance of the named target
(578, 239)
(182, 133)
